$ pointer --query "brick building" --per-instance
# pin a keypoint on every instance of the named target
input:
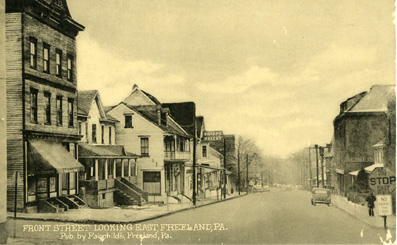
(365, 121)
(42, 130)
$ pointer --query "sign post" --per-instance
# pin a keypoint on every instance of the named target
(383, 182)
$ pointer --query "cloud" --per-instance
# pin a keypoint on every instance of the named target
(114, 76)
(241, 82)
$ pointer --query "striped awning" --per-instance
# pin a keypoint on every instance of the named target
(50, 157)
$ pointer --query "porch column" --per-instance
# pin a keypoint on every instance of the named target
(122, 167)
(106, 169)
(114, 168)
(136, 168)
(96, 169)
(129, 167)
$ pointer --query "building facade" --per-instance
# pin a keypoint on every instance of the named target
(364, 121)
(41, 103)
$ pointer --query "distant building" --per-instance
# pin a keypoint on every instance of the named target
(364, 123)
(42, 129)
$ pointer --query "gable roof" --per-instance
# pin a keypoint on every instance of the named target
(376, 100)
(150, 114)
(183, 113)
(84, 101)
(148, 97)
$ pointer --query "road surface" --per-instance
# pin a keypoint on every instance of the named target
(275, 217)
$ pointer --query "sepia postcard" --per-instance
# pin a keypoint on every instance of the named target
(197, 122)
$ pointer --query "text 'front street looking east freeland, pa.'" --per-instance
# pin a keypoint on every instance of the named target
(197, 122)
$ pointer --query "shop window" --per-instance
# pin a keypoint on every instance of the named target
(31, 188)
(72, 180)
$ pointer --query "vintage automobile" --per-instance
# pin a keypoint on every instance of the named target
(321, 195)
(257, 188)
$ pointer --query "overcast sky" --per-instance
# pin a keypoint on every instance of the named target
(275, 71)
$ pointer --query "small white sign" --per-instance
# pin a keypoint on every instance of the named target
(384, 205)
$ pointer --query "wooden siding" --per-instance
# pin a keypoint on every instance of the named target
(14, 106)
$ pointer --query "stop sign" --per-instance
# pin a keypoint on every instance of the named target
(382, 181)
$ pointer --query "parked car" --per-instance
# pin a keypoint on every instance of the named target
(321, 195)
(257, 188)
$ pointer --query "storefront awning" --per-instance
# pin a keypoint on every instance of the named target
(339, 171)
(46, 156)
(371, 168)
(354, 173)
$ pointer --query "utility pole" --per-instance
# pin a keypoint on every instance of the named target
(322, 165)
(310, 171)
(224, 163)
(247, 181)
(194, 157)
(238, 172)
(3, 126)
(318, 184)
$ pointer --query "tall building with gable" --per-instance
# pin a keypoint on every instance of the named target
(42, 130)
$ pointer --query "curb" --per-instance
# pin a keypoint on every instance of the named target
(126, 222)
(363, 220)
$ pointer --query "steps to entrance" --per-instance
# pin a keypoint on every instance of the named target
(60, 204)
(128, 194)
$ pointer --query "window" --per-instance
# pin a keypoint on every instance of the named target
(144, 147)
(33, 52)
(70, 112)
(58, 70)
(59, 110)
(80, 128)
(70, 68)
(86, 132)
(164, 118)
(93, 133)
(110, 135)
(204, 151)
(103, 134)
(47, 107)
(128, 121)
(33, 105)
(46, 58)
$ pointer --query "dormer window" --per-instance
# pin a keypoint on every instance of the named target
(164, 118)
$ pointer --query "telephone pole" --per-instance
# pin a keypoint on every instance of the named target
(224, 163)
(238, 172)
(310, 171)
(194, 157)
(317, 182)
(247, 182)
(322, 165)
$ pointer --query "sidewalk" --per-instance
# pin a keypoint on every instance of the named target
(127, 214)
(361, 212)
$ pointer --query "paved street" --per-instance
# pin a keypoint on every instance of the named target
(278, 216)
